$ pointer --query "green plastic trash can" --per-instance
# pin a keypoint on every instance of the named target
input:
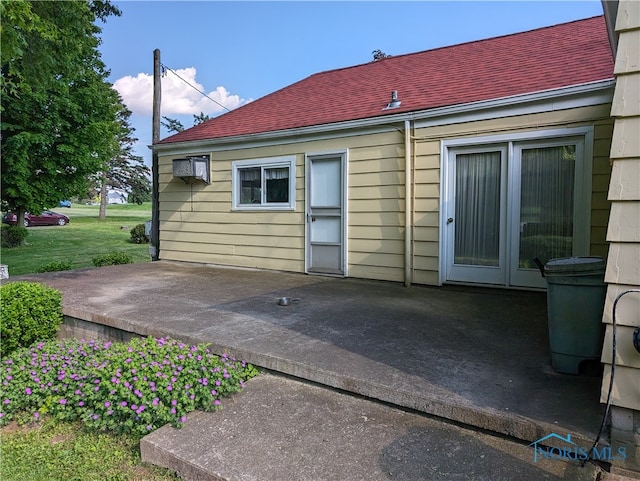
(575, 302)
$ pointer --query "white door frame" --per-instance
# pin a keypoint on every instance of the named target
(309, 157)
(583, 183)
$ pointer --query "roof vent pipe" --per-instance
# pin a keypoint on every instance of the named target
(395, 103)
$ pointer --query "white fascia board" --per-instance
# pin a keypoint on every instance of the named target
(592, 93)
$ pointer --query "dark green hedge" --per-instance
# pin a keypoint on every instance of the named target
(31, 312)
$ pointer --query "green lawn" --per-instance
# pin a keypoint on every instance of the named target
(78, 242)
(67, 452)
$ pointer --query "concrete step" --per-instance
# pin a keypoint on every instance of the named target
(280, 429)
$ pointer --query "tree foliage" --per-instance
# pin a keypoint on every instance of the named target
(59, 121)
(379, 55)
(125, 170)
(140, 191)
(174, 125)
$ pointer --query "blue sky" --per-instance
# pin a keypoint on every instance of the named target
(240, 51)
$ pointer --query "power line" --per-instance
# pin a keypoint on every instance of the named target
(164, 67)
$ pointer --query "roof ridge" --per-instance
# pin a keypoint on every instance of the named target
(443, 47)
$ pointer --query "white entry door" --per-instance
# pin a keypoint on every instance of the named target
(325, 201)
(511, 203)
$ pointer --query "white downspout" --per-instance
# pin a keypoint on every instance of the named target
(407, 204)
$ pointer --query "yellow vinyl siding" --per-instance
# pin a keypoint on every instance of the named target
(198, 224)
(376, 208)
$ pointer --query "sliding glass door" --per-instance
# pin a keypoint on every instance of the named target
(511, 203)
(544, 207)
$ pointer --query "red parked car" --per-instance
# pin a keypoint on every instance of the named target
(46, 218)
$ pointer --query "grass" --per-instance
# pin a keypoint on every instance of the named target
(67, 452)
(84, 238)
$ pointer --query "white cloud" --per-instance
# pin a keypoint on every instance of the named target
(178, 98)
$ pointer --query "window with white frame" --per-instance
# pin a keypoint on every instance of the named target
(264, 183)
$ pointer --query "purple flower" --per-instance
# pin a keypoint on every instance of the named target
(63, 401)
(174, 402)
(155, 401)
(123, 403)
(95, 417)
(173, 410)
(28, 391)
(81, 403)
(214, 392)
(107, 404)
(36, 415)
(183, 419)
(169, 387)
(216, 402)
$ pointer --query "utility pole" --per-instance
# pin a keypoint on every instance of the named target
(154, 247)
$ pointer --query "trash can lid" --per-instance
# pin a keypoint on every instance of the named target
(579, 266)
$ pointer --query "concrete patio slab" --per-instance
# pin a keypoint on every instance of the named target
(474, 356)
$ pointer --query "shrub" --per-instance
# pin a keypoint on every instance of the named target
(125, 388)
(55, 266)
(112, 259)
(138, 235)
(30, 312)
(543, 247)
(12, 235)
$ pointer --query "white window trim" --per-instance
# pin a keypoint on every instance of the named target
(268, 162)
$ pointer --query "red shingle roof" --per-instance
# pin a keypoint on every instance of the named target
(547, 58)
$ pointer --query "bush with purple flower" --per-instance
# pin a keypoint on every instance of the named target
(134, 388)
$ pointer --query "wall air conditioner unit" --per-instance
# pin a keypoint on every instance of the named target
(191, 169)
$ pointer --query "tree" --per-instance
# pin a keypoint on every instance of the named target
(59, 114)
(200, 118)
(379, 55)
(174, 125)
(125, 170)
(140, 190)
